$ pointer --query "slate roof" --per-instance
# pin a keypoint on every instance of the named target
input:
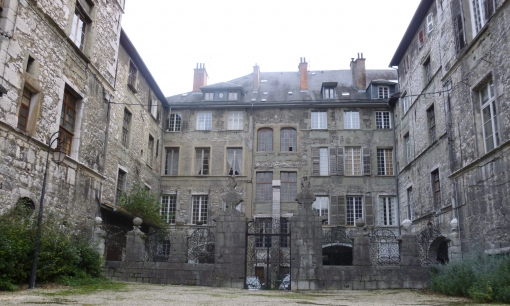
(277, 86)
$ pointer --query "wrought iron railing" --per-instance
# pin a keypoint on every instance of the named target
(201, 245)
(157, 246)
(384, 247)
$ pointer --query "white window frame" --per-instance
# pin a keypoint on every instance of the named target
(237, 159)
(235, 120)
(385, 163)
(478, 14)
(171, 168)
(232, 96)
(209, 96)
(430, 22)
(387, 211)
(383, 92)
(323, 161)
(168, 207)
(202, 214)
(328, 93)
(319, 120)
(321, 205)
(357, 209)
(78, 29)
(351, 120)
(204, 121)
(353, 161)
(204, 155)
(490, 104)
(405, 103)
(382, 120)
(174, 125)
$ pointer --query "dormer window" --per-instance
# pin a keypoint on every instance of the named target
(328, 90)
(232, 96)
(383, 92)
(209, 96)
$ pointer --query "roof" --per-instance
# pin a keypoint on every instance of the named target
(222, 85)
(418, 17)
(137, 59)
(284, 87)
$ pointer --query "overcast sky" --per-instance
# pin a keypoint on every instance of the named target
(230, 36)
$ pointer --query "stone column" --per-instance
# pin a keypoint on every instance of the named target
(409, 248)
(454, 250)
(361, 245)
(135, 242)
(178, 247)
(99, 235)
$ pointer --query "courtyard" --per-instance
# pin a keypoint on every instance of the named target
(149, 294)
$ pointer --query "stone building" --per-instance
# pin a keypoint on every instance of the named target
(452, 121)
(68, 67)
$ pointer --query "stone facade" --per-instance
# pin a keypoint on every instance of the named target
(453, 54)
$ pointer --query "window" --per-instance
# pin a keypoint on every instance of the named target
(432, 123)
(235, 120)
(150, 151)
(209, 96)
(410, 203)
(430, 22)
(78, 28)
(328, 93)
(204, 121)
(126, 122)
(407, 63)
(421, 39)
(132, 76)
(323, 161)
(319, 120)
(172, 161)
(436, 189)
(405, 103)
(121, 185)
(427, 71)
(489, 117)
(354, 209)
(264, 226)
(199, 209)
(174, 123)
(24, 110)
(482, 11)
(153, 107)
(67, 121)
(383, 92)
(321, 205)
(353, 161)
(387, 211)
(351, 120)
(384, 161)
(458, 25)
(288, 186)
(382, 120)
(202, 156)
(407, 143)
(284, 229)
(288, 140)
(265, 140)
(232, 96)
(234, 161)
(264, 186)
(168, 208)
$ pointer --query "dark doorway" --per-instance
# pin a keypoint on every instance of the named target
(337, 255)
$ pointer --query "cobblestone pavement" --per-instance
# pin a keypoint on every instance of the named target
(146, 294)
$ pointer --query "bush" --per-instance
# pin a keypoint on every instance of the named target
(141, 203)
(61, 254)
(479, 276)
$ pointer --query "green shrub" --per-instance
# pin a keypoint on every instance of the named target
(141, 203)
(479, 276)
(62, 255)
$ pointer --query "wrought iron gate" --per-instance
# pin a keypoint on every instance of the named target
(268, 254)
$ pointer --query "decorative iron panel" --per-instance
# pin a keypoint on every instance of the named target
(115, 242)
(201, 246)
(157, 246)
(268, 254)
(425, 239)
(384, 248)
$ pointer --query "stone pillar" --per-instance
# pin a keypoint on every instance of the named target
(98, 238)
(409, 248)
(135, 242)
(361, 245)
(454, 250)
(178, 247)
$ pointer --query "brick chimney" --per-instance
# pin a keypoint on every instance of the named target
(359, 75)
(256, 77)
(200, 77)
(303, 73)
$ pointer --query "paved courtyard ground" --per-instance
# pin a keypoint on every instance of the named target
(152, 295)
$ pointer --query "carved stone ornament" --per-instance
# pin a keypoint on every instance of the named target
(306, 197)
(231, 197)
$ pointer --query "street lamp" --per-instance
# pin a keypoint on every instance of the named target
(58, 156)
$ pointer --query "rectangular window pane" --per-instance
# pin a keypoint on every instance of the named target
(382, 120)
(351, 120)
(202, 161)
(384, 161)
(324, 161)
(265, 140)
(174, 123)
(352, 161)
(319, 120)
(121, 181)
(288, 186)
(387, 211)
(200, 209)
(235, 120)
(204, 121)
(288, 140)
(171, 161)
(264, 186)
(234, 161)
(168, 208)
(321, 205)
(354, 209)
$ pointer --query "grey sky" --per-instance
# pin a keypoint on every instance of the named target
(231, 36)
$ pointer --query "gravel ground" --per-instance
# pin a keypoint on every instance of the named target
(146, 294)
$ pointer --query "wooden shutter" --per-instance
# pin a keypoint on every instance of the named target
(333, 210)
(369, 211)
(341, 211)
(185, 120)
(458, 25)
(332, 161)
(367, 169)
(340, 161)
(316, 160)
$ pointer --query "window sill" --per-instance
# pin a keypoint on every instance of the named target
(168, 131)
(79, 51)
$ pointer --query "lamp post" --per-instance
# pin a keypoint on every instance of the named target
(58, 156)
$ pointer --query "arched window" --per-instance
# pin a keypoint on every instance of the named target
(265, 140)
(288, 140)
